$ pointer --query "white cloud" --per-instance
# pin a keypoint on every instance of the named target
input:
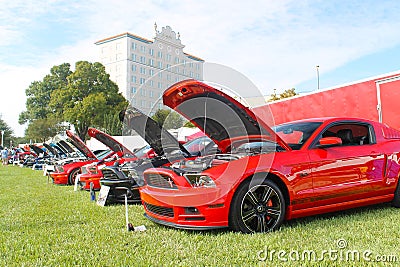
(277, 44)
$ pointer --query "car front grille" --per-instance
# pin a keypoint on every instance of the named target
(159, 180)
(109, 174)
(161, 211)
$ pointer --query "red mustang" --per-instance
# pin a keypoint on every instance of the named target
(265, 176)
(91, 173)
(66, 173)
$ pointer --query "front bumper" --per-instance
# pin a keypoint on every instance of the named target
(120, 188)
(59, 177)
(86, 179)
(191, 208)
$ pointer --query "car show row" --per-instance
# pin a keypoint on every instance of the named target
(243, 174)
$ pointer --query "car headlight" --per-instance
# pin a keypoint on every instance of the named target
(93, 169)
(199, 180)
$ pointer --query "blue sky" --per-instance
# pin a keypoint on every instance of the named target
(276, 44)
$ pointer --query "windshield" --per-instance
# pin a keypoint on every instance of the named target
(143, 152)
(104, 154)
(196, 145)
(296, 134)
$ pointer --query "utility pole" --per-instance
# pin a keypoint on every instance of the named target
(317, 77)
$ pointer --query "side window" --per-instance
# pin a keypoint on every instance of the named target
(352, 134)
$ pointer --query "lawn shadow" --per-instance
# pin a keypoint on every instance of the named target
(302, 222)
(354, 212)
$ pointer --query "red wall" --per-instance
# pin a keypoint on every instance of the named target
(354, 100)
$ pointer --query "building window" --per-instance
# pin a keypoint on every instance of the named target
(133, 46)
(177, 69)
(168, 66)
(197, 76)
(151, 93)
(143, 59)
(168, 57)
(142, 92)
(133, 57)
(159, 54)
(134, 79)
(176, 60)
(142, 49)
(133, 90)
(151, 72)
(151, 52)
(142, 70)
(184, 72)
(134, 67)
(151, 62)
(142, 80)
(197, 66)
(151, 83)
(160, 74)
(191, 64)
(143, 103)
(159, 85)
(191, 74)
(160, 64)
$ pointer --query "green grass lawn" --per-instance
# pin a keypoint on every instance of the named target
(43, 224)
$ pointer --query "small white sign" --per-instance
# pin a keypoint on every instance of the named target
(103, 194)
(77, 179)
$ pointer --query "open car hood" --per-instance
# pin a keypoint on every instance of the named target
(80, 145)
(65, 147)
(113, 144)
(37, 150)
(162, 141)
(217, 114)
(50, 148)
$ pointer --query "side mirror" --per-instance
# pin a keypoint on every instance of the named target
(329, 141)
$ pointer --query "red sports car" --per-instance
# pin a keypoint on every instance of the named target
(265, 175)
(91, 173)
(66, 173)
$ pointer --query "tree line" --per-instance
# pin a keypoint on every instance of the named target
(83, 98)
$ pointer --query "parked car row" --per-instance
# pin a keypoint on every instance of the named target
(243, 174)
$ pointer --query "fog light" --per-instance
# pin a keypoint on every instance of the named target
(191, 210)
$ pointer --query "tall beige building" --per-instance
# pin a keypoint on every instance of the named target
(144, 68)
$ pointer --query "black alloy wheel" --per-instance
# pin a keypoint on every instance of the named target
(257, 209)
(72, 176)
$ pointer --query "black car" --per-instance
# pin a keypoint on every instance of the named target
(125, 179)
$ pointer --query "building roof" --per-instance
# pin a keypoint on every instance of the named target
(122, 35)
(139, 38)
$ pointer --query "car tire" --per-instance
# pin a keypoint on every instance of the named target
(72, 176)
(257, 208)
(396, 199)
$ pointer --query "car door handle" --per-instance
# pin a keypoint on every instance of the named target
(304, 174)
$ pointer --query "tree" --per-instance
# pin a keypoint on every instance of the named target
(112, 125)
(87, 98)
(286, 94)
(7, 132)
(42, 129)
(39, 94)
(167, 119)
